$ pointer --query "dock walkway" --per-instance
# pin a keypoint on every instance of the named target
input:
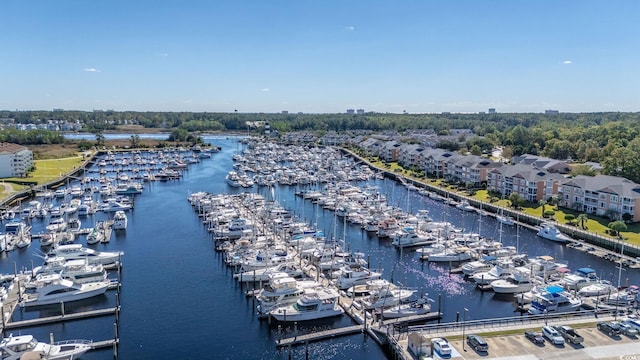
(320, 335)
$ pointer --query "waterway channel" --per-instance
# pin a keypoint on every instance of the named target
(179, 300)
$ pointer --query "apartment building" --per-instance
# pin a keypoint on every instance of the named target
(532, 184)
(602, 195)
(15, 160)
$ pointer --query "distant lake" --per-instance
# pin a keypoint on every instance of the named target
(90, 136)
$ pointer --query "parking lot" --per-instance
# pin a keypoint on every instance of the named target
(596, 345)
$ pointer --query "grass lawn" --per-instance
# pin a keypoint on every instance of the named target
(52, 169)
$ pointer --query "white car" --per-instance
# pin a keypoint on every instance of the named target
(553, 335)
(441, 346)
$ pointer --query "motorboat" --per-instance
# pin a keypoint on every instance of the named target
(96, 235)
(505, 219)
(281, 290)
(77, 271)
(473, 267)
(579, 279)
(418, 307)
(128, 189)
(514, 284)
(113, 205)
(318, 304)
(386, 296)
(56, 223)
(465, 206)
(457, 254)
(14, 347)
(409, 237)
(74, 225)
(550, 232)
(501, 270)
(77, 251)
(264, 274)
(120, 220)
(603, 287)
(53, 289)
(554, 300)
(355, 276)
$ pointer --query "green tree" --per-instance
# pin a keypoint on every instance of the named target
(99, 139)
(582, 218)
(569, 218)
(582, 170)
(542, 203)
(617, 227)
(516, 200)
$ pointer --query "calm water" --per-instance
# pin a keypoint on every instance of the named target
(179, 300)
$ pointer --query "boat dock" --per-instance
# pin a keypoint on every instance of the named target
(60, 318)
(320, 335)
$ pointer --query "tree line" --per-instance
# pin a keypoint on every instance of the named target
(608, 138)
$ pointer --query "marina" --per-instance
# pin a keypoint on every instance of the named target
(163, 229)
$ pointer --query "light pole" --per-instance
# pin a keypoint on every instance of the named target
(464, 316)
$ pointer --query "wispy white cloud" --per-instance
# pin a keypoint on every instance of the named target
(94, 70)
(567, 62)
(265, 89)
(163, 54)
(350, 28)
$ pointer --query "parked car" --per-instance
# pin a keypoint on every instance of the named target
(569, 334)
(552, 335)
(441, 346)
(477, 343)
(609, 327)
(535, 337)
(632, 321)
(627, 329)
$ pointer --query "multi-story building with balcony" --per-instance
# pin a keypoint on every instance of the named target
(15, 160)
(602, 195)
(530, 183)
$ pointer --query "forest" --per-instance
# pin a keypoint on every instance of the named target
(610, 138)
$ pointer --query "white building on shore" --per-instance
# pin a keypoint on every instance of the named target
(15, 160)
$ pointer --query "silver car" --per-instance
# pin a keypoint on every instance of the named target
(553, 335)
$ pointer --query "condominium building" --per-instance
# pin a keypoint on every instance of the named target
(15, 160)
(602, 195)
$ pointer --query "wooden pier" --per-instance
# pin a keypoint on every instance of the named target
(320, 335)
(60, 318)
(104, 344)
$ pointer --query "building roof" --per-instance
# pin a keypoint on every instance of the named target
(526, 172)
(9, 148)
(606, 184)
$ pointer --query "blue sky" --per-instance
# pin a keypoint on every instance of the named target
(321, 56)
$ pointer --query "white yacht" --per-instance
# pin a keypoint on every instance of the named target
(77, 271)
(514, 284)
(465, 206)
(355, 276)
(313, 305)
(52, 289)
(77, 251)
(14, 347)
(113, 205)
(409, 237)
(265, 274)
(550, 232)
(120, 220)
(418, 307)
(579, 279)
(473, 267)
(505, 219)
(501, 270)
(281, 290)
(386, 296)
(96, 235)
(554, 299)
